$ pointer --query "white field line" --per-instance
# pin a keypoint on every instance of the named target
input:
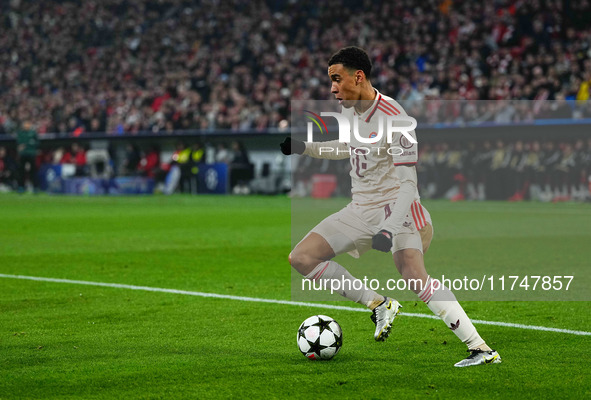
(273, 301)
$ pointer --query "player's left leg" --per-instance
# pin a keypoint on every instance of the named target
(442, 302)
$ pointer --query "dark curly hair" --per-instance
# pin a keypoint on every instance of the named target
(352, 58)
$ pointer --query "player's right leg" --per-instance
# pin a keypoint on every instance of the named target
(333, 236)
(309, 253)
(312, 258)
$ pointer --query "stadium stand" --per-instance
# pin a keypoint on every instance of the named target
(122, 67)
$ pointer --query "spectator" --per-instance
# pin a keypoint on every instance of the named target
(59, 155)
(551, 158)
(8, 171)
(149, 164)
(564, 173)
(185, 165)
(534, 170)
(222, 154)
(496, 185)
(239, 153)
(64, 155)
(131, 163)
(517, 165)
(79, 159)
(241, 169)
(197, 157)
(28, 149)
(179, 170)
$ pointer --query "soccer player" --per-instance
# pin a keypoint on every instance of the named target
(385, 212)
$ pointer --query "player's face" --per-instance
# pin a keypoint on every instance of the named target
(344, 85)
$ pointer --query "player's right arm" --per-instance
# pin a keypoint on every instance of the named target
(331, 150)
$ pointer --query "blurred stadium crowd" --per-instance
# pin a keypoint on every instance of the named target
(485, 170)
(123, 66)
(139, 161)
(163, 66)
(515, 170)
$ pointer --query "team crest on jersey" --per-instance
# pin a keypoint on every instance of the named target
(373, 135)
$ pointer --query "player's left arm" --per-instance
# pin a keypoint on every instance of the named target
(407, 176)
(404, 157)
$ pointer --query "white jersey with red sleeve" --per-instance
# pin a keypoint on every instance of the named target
(383, 181)
(373, 180)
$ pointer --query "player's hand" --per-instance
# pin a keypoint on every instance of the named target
(382, 241)
(290, 146)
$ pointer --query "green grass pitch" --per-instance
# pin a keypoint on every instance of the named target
(67, 341)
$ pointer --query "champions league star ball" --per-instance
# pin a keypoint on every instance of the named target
(320, 337)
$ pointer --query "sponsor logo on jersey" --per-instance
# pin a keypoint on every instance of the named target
(405, 143)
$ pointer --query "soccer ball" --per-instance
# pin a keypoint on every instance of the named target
(320, 337)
